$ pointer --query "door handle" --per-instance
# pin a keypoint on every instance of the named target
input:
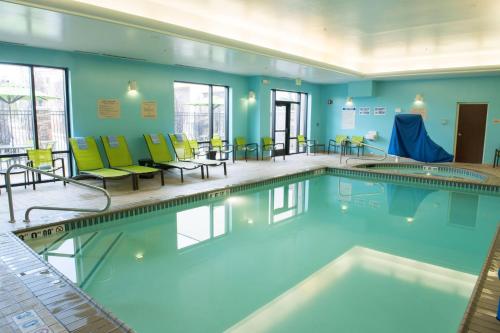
(459, 134)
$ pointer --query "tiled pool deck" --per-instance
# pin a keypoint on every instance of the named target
(28, 283)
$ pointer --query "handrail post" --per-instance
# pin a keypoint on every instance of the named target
(8, 188)
(67, 180)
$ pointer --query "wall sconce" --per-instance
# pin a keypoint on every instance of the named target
(298, 82)
(349, 101)
(251, 96)
(132, 87)
(419, 99)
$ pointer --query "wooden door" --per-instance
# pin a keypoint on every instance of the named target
(470, 133)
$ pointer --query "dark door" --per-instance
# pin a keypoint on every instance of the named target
(470, 133)
(286, 126)
(281, 126)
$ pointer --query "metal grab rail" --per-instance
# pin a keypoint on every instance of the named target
(364, 158)
(67, 180)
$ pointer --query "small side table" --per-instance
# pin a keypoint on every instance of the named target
(14, 172)
(149, 163)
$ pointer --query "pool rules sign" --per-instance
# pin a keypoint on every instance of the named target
(108, 108)
(149, 109)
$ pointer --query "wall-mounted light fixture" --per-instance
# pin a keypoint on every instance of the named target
(349, 101)
(298, 82)
(419, 99)
(251, 96)
(132, 87)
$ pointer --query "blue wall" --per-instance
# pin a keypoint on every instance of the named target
(94, 77)
(440, 96)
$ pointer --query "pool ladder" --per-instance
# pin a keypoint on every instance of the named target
(8, 187)
(366, 158)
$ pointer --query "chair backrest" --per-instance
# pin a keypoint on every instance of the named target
(182, 146)
(240, 141)
(87, 156)
(158, 150)
(117, 151)
(267, 141)
(357, 139)
(40, 157)
(340, 138)
(216, 141)
(301, 139)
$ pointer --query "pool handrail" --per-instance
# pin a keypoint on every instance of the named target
(366, 158)
(8, 187)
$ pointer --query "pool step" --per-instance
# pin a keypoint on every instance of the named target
(85, 253)
(95, 256)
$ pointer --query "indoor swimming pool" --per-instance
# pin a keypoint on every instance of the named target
(321, 253)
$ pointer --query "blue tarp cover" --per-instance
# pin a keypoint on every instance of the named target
(410, 139)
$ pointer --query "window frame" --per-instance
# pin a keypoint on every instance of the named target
(275, 101)
(211, 107)
(69, 167)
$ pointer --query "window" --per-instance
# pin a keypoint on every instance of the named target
(33, 113)
(196, 225)
(201, 110)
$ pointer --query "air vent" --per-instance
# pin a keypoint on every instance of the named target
(11, 43)
(110, 55)
(122, 57)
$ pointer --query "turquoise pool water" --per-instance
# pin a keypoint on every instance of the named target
(321, 254)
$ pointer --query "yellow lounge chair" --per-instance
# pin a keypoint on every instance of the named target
(160, 155)
(89, 162)
(119, 158)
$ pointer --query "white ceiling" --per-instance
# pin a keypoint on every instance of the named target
(322, 41)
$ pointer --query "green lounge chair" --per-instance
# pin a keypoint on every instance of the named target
(119, 158)
(42, 159)
(160, 155)
(89, 162)
(240, 144)
(269, 145)
(220, 147)
(184, 152)
(338, 142)
(357, 142)
(302, 142)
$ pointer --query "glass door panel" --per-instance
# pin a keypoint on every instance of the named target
(281, 126)
(293, 126)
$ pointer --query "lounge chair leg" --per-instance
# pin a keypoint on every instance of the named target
(202, 172)
(162, 178)
(64, 175)
(104, 183)
(208, 176)
(33, 176)
(225, 169)
(182, 176)
(257, 154)
(134, 183)
(246, 160)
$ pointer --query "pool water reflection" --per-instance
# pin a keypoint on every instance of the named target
(321, 254)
